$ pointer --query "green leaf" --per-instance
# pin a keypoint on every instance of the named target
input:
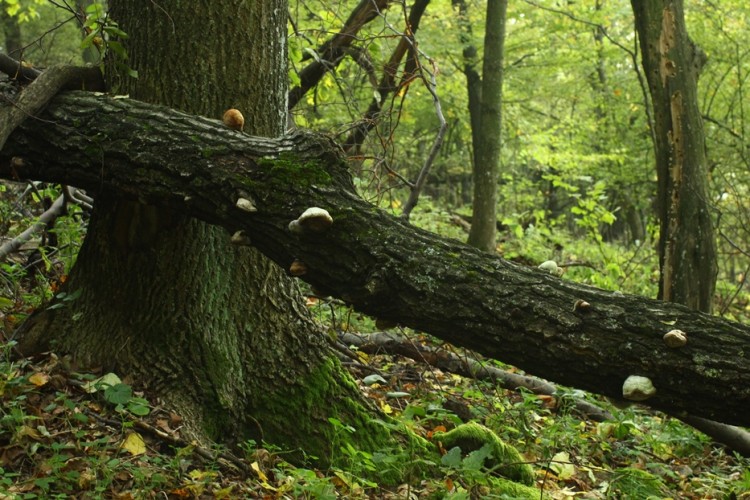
(118, 49)
(412, 411)
(374, 49)
(115, 31)
(475, 459)
(139, 407)
(89, 40)
(118, 394)
(95, 10)
(452, 459)
(294, 79)
(561, 466)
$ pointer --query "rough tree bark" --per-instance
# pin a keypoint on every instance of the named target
(569, 333)
(672, 62)
(218, 331)
(487, 147)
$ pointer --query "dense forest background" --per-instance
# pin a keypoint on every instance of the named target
(577, 183)
(577, 178)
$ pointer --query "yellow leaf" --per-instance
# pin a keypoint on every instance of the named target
(39, 379)
(364, 357)
(561, 466)
(261, 474)
(28, 431)
(224, 493)
(86, 479)
(386, 408)
(134, 444)
(109, 379)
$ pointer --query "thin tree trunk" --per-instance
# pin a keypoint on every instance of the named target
(473, 78)
(484, 220)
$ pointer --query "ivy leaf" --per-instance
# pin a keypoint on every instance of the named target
(138, 406)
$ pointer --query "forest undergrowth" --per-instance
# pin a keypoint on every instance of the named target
(66, 432)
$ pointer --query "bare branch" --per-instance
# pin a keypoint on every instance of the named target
(411, 202)
(57, 209)
(330, 54)
(440, 358)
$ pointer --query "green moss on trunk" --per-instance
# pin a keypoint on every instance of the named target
(344, 432)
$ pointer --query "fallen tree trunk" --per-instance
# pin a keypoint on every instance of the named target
(565, 332)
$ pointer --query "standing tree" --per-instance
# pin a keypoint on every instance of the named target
(218, 330)
(487, 139)
(672, 63)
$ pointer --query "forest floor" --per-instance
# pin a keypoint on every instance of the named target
(65, 434)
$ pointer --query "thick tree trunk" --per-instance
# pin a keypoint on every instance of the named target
(218, 331)
(687, 249)
(487, 164)
(565, 332)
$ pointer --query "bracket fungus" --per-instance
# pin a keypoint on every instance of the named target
(246, 205)
(551, 267)
(637, 388)
(675, 338)
(233, 119)
(312, 220)
(297, 268)
(241, 238)
(581, 306)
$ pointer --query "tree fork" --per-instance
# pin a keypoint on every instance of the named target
(563, 331)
